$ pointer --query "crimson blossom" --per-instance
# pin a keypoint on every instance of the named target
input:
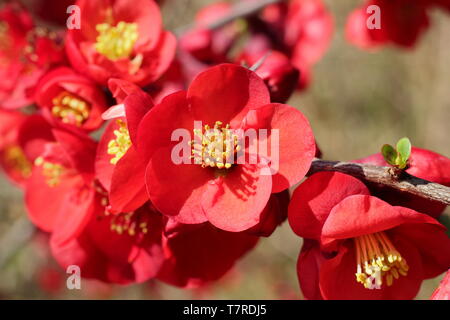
(120, 161)
(219, 180)
(211, 46)
(26, 53)
(64, 199)
(276, 71)
(70, 100)
(401, 22)
(58, 194)
(305, 28)
(117, 160)
(120, 39)
(360, 247)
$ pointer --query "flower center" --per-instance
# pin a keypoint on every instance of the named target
(70, 109)
(377, 259)
(5, 39)
(116, 42)
(16, 159)
(215, 147)
(120, 145)
(133, 223)
(51, 171)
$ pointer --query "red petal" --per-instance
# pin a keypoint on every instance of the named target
(147, 16)
(296, 147)
(34, 133)
(432, 242)
(337, 277)
(361, 214)
(313, 200)
(121, 89)
(110, 257)
(74, 214)
(155, 130)
(308, 267)
(162, 56)
(235, 202)
(177, 190)
(201, 255)
(225, 93)
(103, 167)
(128, 191)
(80, 150)
(136, 107)
(43, 202)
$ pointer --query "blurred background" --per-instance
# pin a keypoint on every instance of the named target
(357, 101)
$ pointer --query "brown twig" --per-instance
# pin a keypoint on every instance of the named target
(238, 11)
(384, 176)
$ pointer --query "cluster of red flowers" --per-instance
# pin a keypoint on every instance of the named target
(117, 204)
(401, 22)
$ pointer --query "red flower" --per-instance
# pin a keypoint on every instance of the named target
(120, 39)
(424, 164)
(277, 72)
(70, 100)
(305, 27)
(118, 163)
(308, 31)
(211, 46)
(401, 23)
(390, 249)
(63, 198)
(199, 254)
(443, 291)
(58, 195)
(229, 191)
(122, 248)
(26, 53)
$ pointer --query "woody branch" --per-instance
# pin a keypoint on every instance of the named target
(238, 11)
(386, 176)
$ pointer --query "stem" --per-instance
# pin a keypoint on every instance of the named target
(386, 177)
(238, 11)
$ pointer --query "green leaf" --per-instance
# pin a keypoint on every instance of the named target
(389, 154)
(404, 151)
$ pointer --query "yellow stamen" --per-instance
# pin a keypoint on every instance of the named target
(5, 38)
(70, 109)
(131, 223)
(216, 147)
(51, 171)
(15, 159)
(120, 145)
(378, 259)
(116, 42)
